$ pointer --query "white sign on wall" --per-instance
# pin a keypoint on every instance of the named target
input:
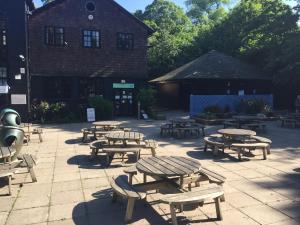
(91, 117)
(4, 89)
(18, 99)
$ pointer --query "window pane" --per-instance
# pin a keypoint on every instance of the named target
(91, 39)
(54, 36)
(124, 41)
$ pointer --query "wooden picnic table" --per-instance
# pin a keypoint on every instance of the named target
(168, 166)
(124, 137)
(106, 125)
(182, 122)
(237, 132)
(236, 135)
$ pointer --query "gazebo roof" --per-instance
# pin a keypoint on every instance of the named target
(214, 65)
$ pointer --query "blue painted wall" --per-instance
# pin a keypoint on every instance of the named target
(199, 102)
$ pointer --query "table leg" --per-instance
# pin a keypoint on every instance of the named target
(181, 182)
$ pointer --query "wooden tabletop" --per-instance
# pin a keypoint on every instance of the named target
(237, 132)
(107, 123)
(165, 166)
(125, 136)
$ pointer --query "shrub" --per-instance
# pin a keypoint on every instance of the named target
(103, 108)
(58, 112)
(146, 97)
(213, 109)
(253, 106)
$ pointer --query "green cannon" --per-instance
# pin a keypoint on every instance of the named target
(9, 117)
(10, 133)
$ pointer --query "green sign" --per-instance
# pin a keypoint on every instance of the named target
(123, 85)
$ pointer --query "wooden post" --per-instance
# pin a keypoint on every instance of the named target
(129, 210)
(139, 111)
(173, 214)
(218, 208)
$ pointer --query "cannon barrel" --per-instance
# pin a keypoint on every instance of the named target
(10, 117)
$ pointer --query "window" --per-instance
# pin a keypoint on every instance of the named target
(91, 39)
(125, 41)
(54, 36)
(3, 37)
(3, 75)
(90, 6)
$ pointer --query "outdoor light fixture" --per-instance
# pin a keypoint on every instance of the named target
(22, 58)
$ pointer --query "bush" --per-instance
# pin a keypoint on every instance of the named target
(103, 108)
(58, 112)
(214, 109)
(147, 99)
(253, 106)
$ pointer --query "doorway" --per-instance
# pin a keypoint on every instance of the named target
(123, 102)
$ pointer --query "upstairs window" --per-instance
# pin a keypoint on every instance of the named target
(91, 39)
(54, 36)
(125, 41)
(3, 37)
(3, 75)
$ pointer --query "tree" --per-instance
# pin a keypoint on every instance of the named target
(251, 30)
(204, 11)
(174, 35)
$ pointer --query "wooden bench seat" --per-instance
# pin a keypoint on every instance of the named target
(197, 195)
(8, 174)
(122, 188)
(230, 123)
(214, 143)
(113, 150)
(29, 161)
(86, 132)
(98, 145)
(254, 126)
(152, 145)
(166, 130)
(250, 146)
(264, 140)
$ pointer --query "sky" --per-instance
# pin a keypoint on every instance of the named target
(132, 5)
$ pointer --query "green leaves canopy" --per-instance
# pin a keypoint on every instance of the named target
(174, 35)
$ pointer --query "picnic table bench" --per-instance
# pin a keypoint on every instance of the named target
(197, 195)
(8, 174)
(110, 152)
(250, 146)
(122, 188)
(124, 137)
(289, 121)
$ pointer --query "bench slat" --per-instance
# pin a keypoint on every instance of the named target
(212, 174)
(121, 150)
(123, 188)
(194, 196)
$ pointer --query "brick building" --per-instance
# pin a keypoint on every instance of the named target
(82, 48)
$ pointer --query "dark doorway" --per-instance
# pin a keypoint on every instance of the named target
(123, 102)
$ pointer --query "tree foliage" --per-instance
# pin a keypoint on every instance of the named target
(172, 39)
(203, 11)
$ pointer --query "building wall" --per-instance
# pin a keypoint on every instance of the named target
(15, 16)
(179, 92)
(75, 60)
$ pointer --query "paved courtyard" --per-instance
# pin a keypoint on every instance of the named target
(73, 188)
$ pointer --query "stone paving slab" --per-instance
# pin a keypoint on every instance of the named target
(73, 187)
